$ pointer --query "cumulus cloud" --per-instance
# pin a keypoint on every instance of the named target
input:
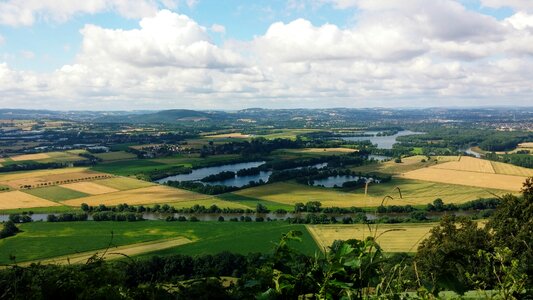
(515, 4)
(167, 39)
(394, 55)
(26, 12)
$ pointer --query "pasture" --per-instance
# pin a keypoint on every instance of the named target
(414, 192)
(391, 237)
(18, 199)
(55, 193)
(147, 195)
(42, 240)
(117, 155)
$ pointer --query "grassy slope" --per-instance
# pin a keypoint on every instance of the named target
(44, 240)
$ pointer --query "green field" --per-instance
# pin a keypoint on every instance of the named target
(117, 155)
(44, 210)
(137, 166)
(252, 202)
(123, 183)
(130, 167)
(55, 193)
(414, 193)
(42, 240)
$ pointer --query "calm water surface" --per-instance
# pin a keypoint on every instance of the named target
(383, 142)
(198, 174)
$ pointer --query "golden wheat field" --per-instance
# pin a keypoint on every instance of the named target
(18, 199)
(55, 179)
(36, 156)
(147, 195)
(39, 173)
(391, 237)
(90, 188)
(466, 163)
(466, 178)
(502, 168)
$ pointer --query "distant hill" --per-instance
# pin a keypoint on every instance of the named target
(168, 116)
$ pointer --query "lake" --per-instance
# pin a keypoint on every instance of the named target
(383, 142)
(238, 181)
(200, 173)
(338, 180)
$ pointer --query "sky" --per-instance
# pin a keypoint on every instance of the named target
(234, 54)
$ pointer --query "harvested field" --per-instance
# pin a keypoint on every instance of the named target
(148, 195)
(503, 168)
(123, 183)
(36, 156)
(90, 188)
(408, 164)
(18, 199)
(116, 252)
(470, 164)
(55, 179)
(474, 179)
(403, 238)
(38, 173)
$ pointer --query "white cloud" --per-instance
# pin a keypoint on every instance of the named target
(167, 39)
(26, 12)
(218, 28)
(394, 55)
